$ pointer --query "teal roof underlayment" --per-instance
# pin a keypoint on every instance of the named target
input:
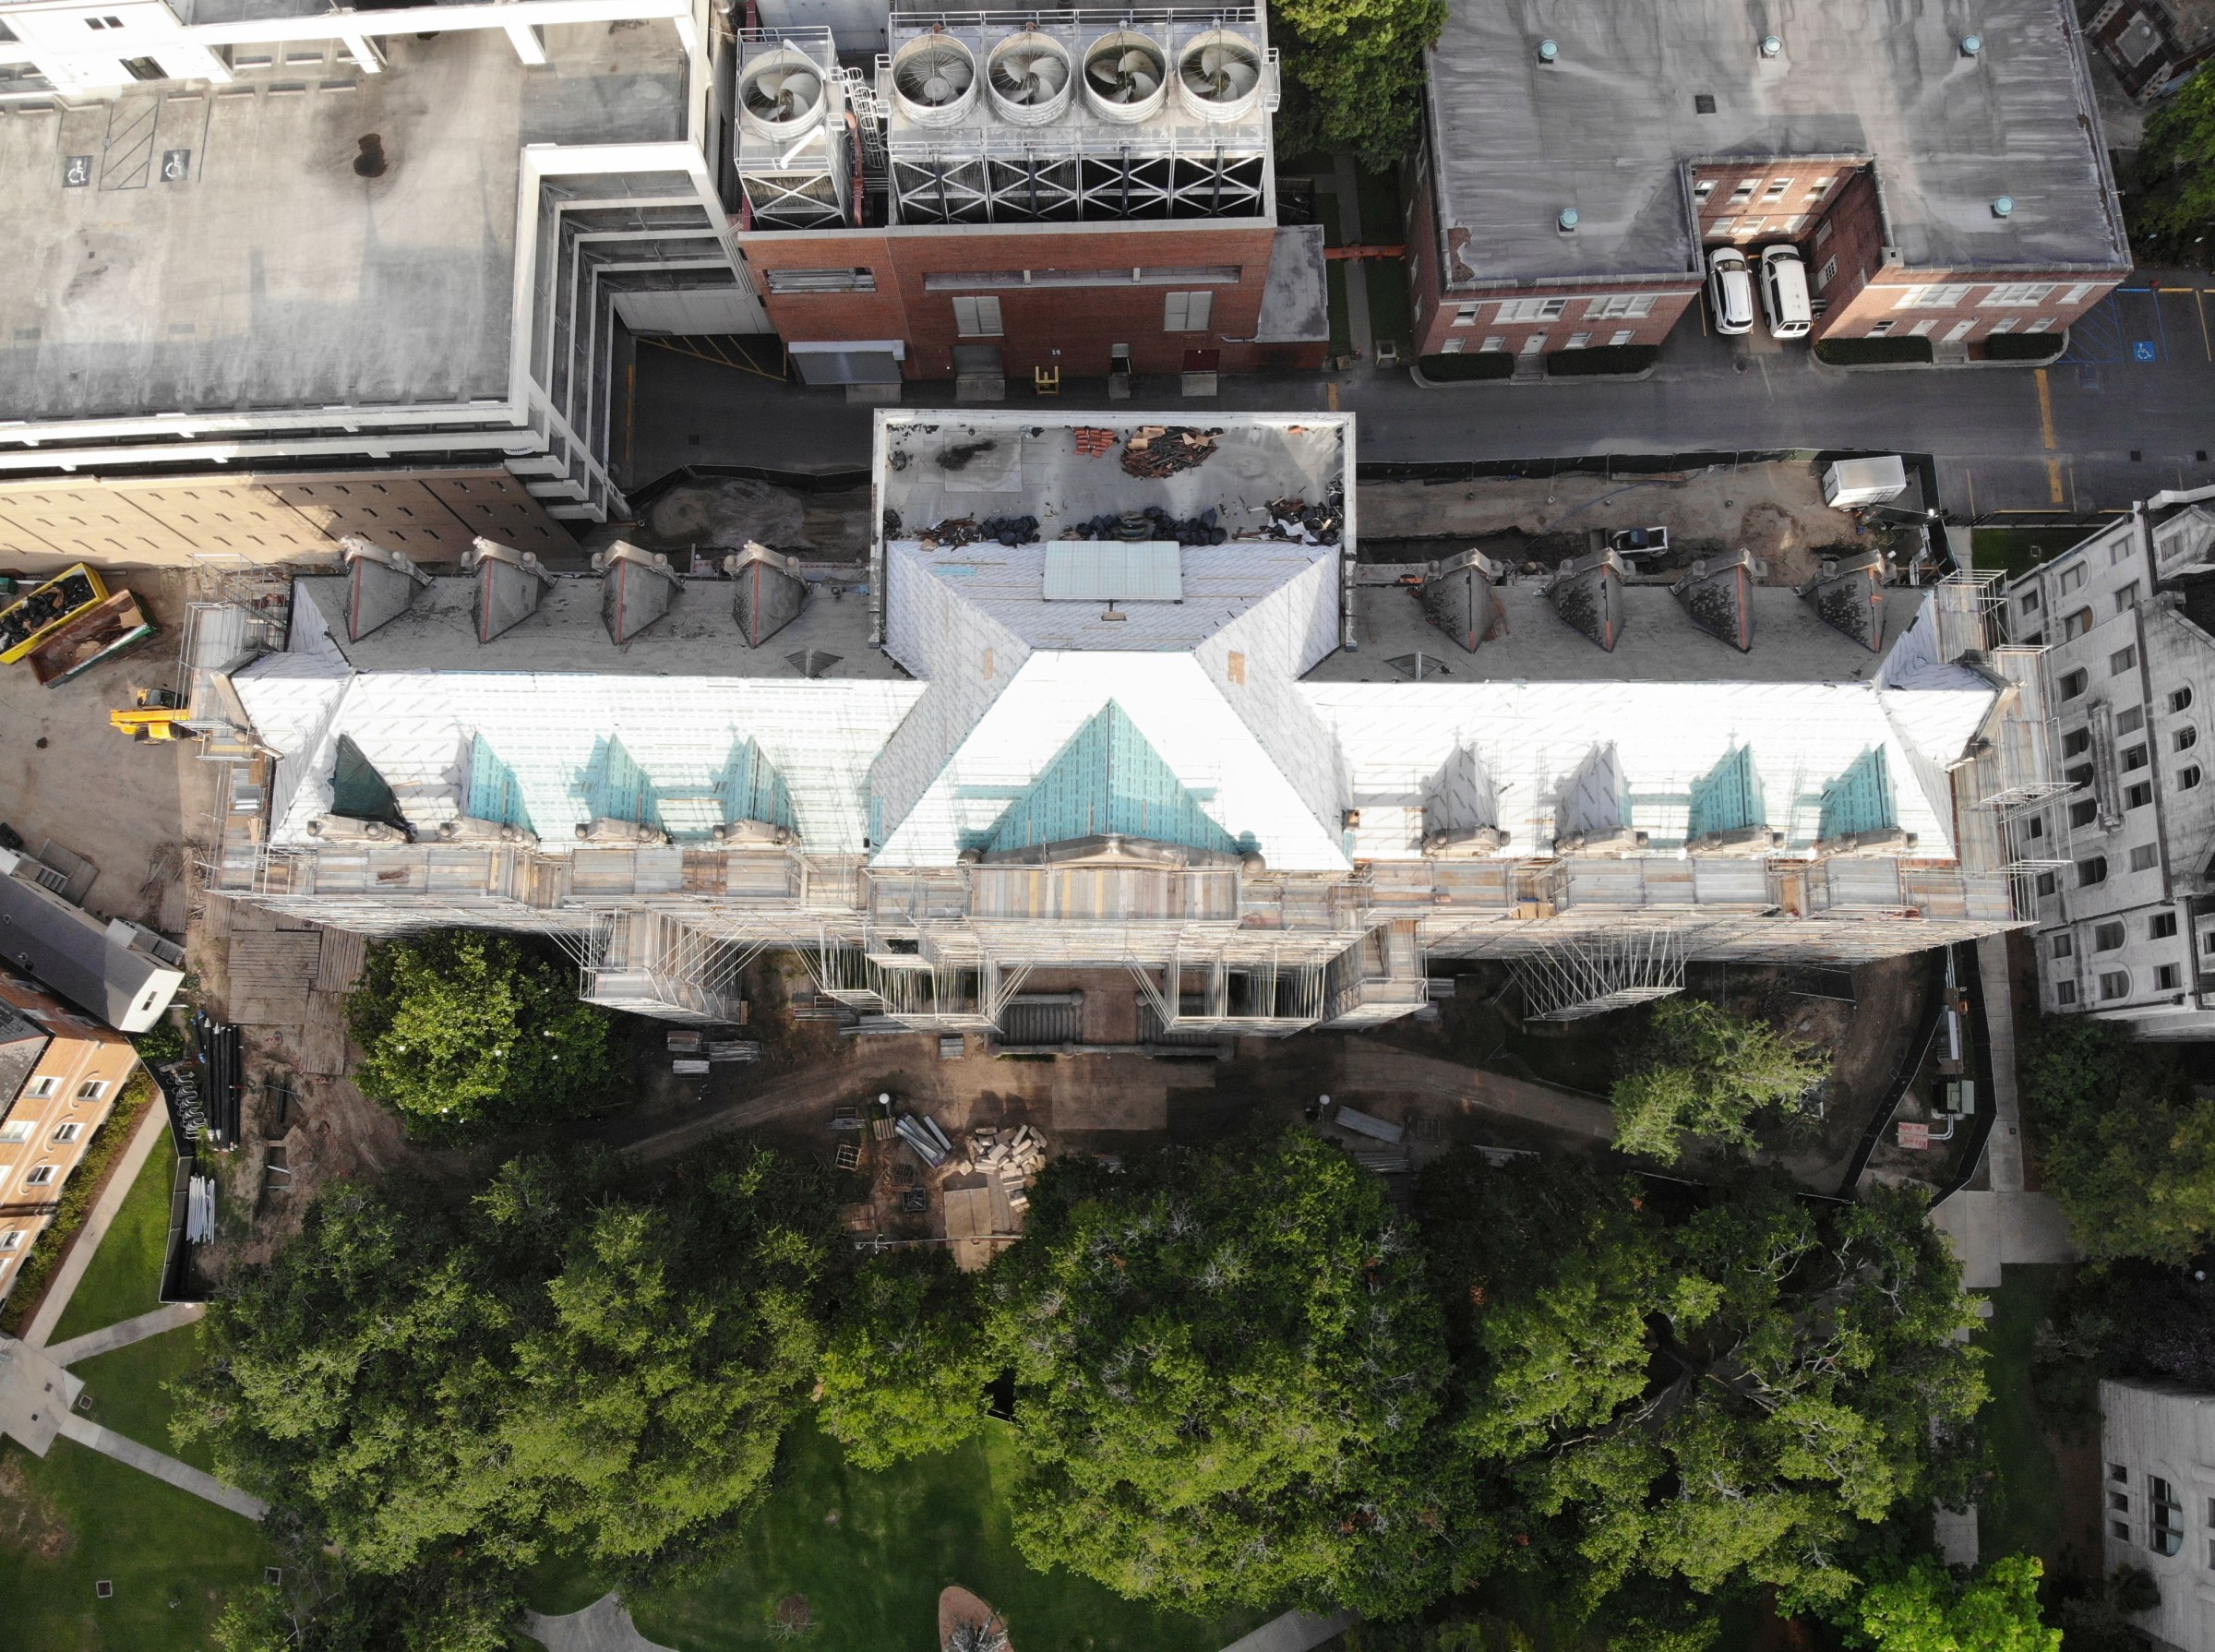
(494, 791)
(358, 791)
(1860, 799)
(1108, 779)
(1728, 797)
(615, 788)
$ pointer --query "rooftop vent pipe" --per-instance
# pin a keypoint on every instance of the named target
(1548, 50)
(1568, 221)
(1972, 44)
(2004, 206)
(1770, 45)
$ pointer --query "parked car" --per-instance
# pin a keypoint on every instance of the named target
(1729, 291)
(1639, 541)
(1784, 292)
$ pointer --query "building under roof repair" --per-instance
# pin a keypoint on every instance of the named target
(1115, 707)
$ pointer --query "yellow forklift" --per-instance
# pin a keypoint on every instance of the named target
(155, 714)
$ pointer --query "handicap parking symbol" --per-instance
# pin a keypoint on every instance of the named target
(2142, 350)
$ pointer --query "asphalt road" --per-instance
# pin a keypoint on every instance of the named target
(2129, 410)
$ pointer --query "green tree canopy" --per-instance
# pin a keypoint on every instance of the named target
(1702, 1070)
(2174, 204)
(461, 1028)
(1226, 1372)
(1693, 1406)
(576, 1362)
(1928, 1607)
(907, 1361)
(1354, 76)
(2122, 1142)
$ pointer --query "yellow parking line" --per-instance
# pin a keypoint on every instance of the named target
(1332, 387)
(2045, 408)
(2053, 479)
(2199, 303)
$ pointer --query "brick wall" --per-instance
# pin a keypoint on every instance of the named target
(1071, 326)
(1954, 306)
(68, 1094)
(1757, 203)
(1845, 248)
(1559, 317)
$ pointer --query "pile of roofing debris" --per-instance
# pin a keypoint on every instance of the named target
(968, 529)
(1308, 524)
(1154, 523)
(1160, 450)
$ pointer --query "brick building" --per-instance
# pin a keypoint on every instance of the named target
(60, 1073)
(1577, 167)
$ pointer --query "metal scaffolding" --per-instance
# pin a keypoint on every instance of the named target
(1571, 978)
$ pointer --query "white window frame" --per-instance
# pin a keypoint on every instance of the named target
(15, 1132)
(1617, 340)
(1934, 296)
(1627, 306)
(69, 1131)
(40, 1175)
(41, 1089)
(2080, 292)
(1453, 347)
(2016, 295)
(978, 316)
(92, 1089)
(1187, 312)
(1492, 342)
(1465, 315)
(1517, 310)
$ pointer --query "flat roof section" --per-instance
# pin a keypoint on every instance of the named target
(270, 273)
(1605, 127)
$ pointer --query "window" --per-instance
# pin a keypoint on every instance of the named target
(2161, 926)
(1465, 315)
(2072, 684)
(2076, 624)
(2184, 738)
(2072, 577)
(18, 1130)
(1827, 274)
(2116, 1471)
(2134, 757)
(1823, 232)
(2035, 827)
(2077, 742)
(1622, 336)
(92, 1089)
(2064, 946)
(2119, 1530)
(2167, 1534)
(1495, 341)
(2119, 1502)
(2042, 324)
(1877, 330)
(2143, 857)
(976, 317)
(1744, 192)
(1819, 188)
(2165, 978)
(2028, 601)
(1532, 310)
(2005, 324)
(2187, 777)
(1777, 188)
(40, 1177)
(1121, 275)
(2108, 937)
(2047, 884)
(2090, 870)
(2115, 984)
(2130, 722)
(2122, 660)
(856, 280)
(2016, 295)
(2084, 813)
(1936, 297)
(1577, 341)
(2080, 292)
(2064, 992)
(11, 1238)
(1633, 306)
(1726, 226)
(68, 1132)
(1454, 347)
(1703, 189)
(2139, 795)
(1187, 312)
(2127, 598)
(41, 1089)
(2180, 700)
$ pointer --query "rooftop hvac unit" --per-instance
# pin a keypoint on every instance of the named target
(792, 157)
(1219, 76)
(934, 80)
(1126, 77)
(1027, 80)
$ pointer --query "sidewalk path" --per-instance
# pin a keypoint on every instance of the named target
(1371, 1066)
(604, 1626)
(1294, 1632)
(151, 1123)
(146, 1460)
(111, 1337)
(2004, 1149)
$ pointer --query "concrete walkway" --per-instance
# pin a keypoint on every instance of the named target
(1373, 1066)
(169, 1317)
(151, 1123)
(1294, 1632)
(2004, 1148)
(146, 1460)
(35, 1395)
(604, 1626)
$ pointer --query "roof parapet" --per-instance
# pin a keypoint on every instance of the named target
(509, 584)
(770, 592)
(636, 588)
(1848, 596)
(1457, 598)
(1717, 594)
(1587, 592)
(380, 585)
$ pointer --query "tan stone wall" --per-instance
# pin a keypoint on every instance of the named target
(82, 1057)
(168, 521)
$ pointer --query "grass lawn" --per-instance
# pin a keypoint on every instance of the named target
(124, 1279)
(2020, 1510)
(871, 1551)
(73, 1517)
(126, 1389)
(2017, 550)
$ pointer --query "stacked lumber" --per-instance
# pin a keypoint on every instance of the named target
(1093, 441)
(1015, 1162)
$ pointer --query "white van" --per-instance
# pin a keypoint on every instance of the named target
(1729, 292)
(1784, 292)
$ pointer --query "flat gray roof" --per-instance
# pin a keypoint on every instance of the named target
(1605, 128)
(1296, 302)
(271, 275)
(1659, 644)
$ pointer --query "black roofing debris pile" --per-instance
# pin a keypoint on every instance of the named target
(1160, 450)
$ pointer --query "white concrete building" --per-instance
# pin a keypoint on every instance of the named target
(2156, 1457)
(2124, 900)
